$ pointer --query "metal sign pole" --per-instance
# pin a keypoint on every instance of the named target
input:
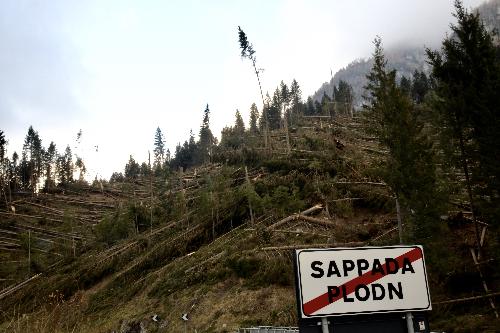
(409, 316)
(324, 325)
(409, 322)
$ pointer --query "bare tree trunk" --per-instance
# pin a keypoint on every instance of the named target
(288, 148)
(400, 224)
(213, 222)
(151, 194)
(249, 201)
(264, 112)
(469, 192)
(29, 253)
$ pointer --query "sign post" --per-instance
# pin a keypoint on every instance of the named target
(324, 325)
(365, 280)
(409, 322)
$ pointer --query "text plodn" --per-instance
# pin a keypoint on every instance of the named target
(362, 272)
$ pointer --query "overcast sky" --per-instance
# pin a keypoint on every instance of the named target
(118, 69)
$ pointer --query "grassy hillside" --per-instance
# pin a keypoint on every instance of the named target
(205, 252)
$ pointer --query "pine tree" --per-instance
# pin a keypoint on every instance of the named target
(239, 125)
(408, 169)
(3, 150)
(296, 99)
(254, 118)
(467, 74)
(286, 97)
(295, 93)
(285, 93)
(326, 103)
(25, 172)
(318, 108)
(405, 85)
(132, 169)
(274, 110)
(309, 110)
(247, 51)
(49, 162)
(159, 147)
(3, 145)
(206, 138)
(186, 155)
(344, 96)
(65, 166)
(33, 157)
(420, 86)
(13, 174)
(144, 169)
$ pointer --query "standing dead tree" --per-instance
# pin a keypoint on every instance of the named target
(247, 51)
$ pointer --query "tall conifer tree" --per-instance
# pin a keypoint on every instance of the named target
(408, 169)
(159, 147)
(254, 118)
(467, 73)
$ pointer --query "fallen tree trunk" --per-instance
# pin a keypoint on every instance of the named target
(466, 299)
(325, 223)
(10, 290)
(361, 183)
(294, 232)
(30, 217)
(45, 207)
(305, 246)
(384, 234)
(48, 232)
(345, 199)
(293, 217)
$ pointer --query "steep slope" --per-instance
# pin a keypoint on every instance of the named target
(203, 254)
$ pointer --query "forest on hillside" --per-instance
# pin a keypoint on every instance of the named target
(218, 218)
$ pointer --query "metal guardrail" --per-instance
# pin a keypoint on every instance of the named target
(268, 329)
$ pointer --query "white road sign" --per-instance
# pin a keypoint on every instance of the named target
(343, 281)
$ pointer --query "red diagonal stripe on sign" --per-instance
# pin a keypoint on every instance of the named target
(322, 300)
